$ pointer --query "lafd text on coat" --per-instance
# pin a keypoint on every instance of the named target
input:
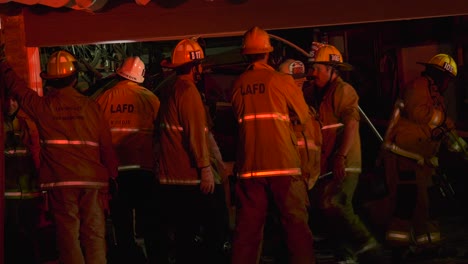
(122, 108)
(254, 88)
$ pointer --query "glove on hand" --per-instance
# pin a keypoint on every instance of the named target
(339, 167)
(207, 180)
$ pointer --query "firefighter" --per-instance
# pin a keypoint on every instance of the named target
(24, 212)
(130, 111)
(77, 158)
(412, 145)
(187, 196)
(268, 162)
(337, 104)
(309, 135)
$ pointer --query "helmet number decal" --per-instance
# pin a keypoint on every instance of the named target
(195, 55)
(335, 57)
(448, 67)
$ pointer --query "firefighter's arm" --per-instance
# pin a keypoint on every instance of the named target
(399, 151)
(107, 151)
(347, 111)
(295, 98)
(419, 105)
(193, 120)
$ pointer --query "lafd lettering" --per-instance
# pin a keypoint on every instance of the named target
(253, 89)
(122, 108)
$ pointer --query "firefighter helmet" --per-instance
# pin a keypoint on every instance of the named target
(256, 40)
(61, 64)
(293, 67)
(186, 51)
(329, 55)
(444, 63)
(133, 69)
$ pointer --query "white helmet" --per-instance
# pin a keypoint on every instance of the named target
(294, 68)
(133, 69)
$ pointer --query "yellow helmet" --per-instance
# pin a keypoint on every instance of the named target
(329, 55)
(132, 69)
(256, 40)
(444, 63)
(61, 64)
(187, 50)
(294, 68)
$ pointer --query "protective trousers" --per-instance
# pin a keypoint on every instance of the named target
(130, 212)
(192, 226)
(289, 193)
(335, 215)
(80, 224)
(408, 185)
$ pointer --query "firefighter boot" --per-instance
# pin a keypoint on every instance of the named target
(398, 233)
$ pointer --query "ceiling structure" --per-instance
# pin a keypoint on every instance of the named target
(159, 20)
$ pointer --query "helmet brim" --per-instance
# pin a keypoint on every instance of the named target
(341, 66)
(437, 67)
(46, 76)
(170, 65)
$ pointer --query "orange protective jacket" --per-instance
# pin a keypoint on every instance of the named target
(339, 105)
(262, 99)
(182, 134)
(131, 111)
(309, 141)
(76, 148)
(412, 132)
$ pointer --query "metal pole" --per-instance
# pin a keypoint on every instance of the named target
(369, 122)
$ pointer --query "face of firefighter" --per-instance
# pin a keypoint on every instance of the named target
(445, 84)
(197, 73)
(12, 106)
(321, 74)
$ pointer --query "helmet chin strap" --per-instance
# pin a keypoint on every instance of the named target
(331, 76)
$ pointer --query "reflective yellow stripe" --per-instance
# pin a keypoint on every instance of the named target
(22, 195)
(332, 126)
(73, 183)
(124, 129)
(164, 180)
(128, 167)
(399, 236)
(292, 171)
(174, 127)
(128, 129)
(277, 116)
(69, 142)
(356, 170)
(16, 151)
(310, 144)
(426, 238)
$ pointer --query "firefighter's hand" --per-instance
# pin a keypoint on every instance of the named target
(339, 167)
(207, 180)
